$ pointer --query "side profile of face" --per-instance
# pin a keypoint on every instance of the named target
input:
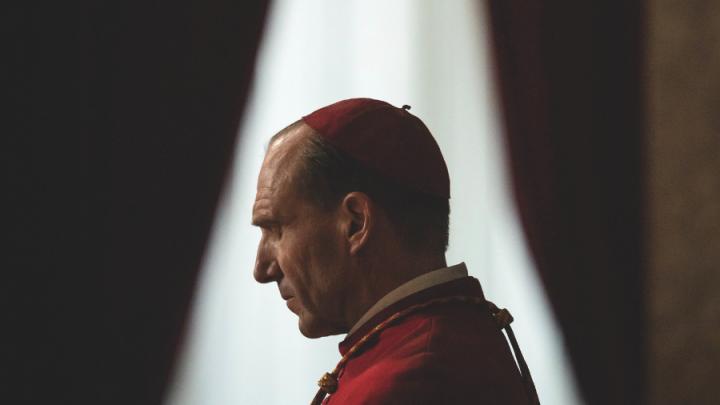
(301, 246)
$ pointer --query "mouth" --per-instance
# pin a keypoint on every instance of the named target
(289, 303)
(287, 297)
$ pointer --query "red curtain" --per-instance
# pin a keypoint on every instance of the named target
(122, 130)
(570, 84)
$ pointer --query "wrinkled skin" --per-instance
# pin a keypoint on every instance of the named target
(330, 265)
(301, 247)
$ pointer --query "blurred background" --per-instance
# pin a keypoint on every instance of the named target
(433, 56)
(583, 144)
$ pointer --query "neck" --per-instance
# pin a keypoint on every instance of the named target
(375, 280)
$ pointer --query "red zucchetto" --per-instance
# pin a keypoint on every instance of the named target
(385, 139)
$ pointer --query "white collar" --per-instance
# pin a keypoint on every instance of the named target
(419, 283)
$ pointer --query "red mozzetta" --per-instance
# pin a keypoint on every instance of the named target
(449, 353)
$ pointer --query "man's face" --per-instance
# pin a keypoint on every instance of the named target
(300, 247)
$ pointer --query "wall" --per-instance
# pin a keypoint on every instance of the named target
(683, 168)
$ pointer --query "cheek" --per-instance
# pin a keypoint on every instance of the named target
(309, 263)
(326, 263)
(292, 256)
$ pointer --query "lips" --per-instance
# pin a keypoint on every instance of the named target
(284, 294)
(289, 303)
(287, 297)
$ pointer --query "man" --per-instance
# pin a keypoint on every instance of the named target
(353, 204)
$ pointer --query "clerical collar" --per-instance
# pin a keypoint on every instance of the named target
(419, 283)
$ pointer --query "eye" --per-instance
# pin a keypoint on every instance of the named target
(271, 231)
(277, 230)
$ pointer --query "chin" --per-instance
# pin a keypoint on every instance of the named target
(311, 328)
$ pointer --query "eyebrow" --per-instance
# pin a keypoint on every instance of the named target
(264, 221)
(261, 213)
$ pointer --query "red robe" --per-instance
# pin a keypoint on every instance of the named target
(449, 353)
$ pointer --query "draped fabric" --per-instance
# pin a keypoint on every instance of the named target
(430, 55)
(175, 106)
(569, 81)
(124, 125)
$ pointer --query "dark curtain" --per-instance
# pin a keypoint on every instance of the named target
(121, 130)
(570, 86)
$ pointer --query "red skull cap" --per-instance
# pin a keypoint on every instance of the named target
(386, 139)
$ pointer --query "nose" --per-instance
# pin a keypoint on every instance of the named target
(267, 269)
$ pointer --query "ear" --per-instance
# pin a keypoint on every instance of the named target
(359, 216)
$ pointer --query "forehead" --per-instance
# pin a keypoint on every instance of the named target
(274, 189)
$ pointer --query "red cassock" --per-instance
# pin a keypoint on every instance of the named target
(447, 353)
